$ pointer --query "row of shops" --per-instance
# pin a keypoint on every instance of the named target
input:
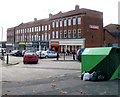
(57, 45)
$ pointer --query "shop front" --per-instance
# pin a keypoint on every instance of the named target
(44, 45)
(62, 45)
(22, 46)
(29, 46)
(9, 47)
(54, 45)
(35, 46)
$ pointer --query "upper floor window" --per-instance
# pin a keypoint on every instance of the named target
(65, 22)
(49, 27)
(56, 23)
(53, 34)
(48, 36)
(79, 33)
(74, 21)
(45, 36)
(61, 23)
(32, 29)
(60, 34)
(45, 27)
(74, 33)
(79, 20)
(65, 33)
(39, 28)
(53, 24)
(56, 34)
(69, 22)
(69, 33)
(42, 28)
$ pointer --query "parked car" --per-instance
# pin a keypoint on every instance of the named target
(30, 57)
(16, 53)
(38, 53)
(49, 54)
(79, 53)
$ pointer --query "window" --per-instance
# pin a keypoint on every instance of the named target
(56, 23)
(65, 23)
(69, 22)
(65, 34)
(39, 28)
(42, 36)
(32, 29)
(42, 28)
(60, 34)
(74, 21)
(56, 34)
(79, 20)
(39, 38)
(53, 34)
(79, 33)
(45, 27)
(53, 24)
(49, 27)
(69, 33)
(61, 23)
(48, 36)
(45, 35)
(74, 33)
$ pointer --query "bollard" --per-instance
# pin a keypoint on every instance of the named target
(7, 61)
(64, 55)
(73, 56)
(57, 56)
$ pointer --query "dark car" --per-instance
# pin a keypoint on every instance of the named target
(79, 53)
(16, 53)
(30, 57)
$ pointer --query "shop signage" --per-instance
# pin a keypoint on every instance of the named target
(44, 43)
(54, 43)
(35, 43)
(22, 43)
(93, 26)
(28, 43)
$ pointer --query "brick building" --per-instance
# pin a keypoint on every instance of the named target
(69, 30)
(112, 35)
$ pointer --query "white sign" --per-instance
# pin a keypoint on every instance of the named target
(93, 26)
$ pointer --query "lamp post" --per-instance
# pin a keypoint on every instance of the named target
(1, 33)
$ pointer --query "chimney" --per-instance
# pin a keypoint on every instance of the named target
(76, 7)
(50, 15)
(35, 19)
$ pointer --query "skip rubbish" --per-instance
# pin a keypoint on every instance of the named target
(94, 76)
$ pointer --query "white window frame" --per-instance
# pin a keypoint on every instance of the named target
(56, 24)
(79, 33)
(69, 33)
(65, 22)
(74, 21)
(56, 34)
(69, 22)
(79, 20)
(53, 24)
(65, 33)
(53, 34)
(60, 23)
(74, 33)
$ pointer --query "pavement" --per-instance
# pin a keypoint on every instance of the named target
(67, 81)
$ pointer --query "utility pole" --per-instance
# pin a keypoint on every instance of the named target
(1, 33)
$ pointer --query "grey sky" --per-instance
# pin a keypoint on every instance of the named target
(14, 12)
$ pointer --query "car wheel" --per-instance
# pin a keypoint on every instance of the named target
(24, 62)
(46, 57)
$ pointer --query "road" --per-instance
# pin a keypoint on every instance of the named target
(51, 77)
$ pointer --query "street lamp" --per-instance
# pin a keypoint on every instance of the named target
(2, 33)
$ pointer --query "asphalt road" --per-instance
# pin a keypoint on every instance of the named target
(51, 77)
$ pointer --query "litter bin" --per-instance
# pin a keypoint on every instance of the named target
(104, 59)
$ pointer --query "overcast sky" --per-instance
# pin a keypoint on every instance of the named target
(14, 12)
